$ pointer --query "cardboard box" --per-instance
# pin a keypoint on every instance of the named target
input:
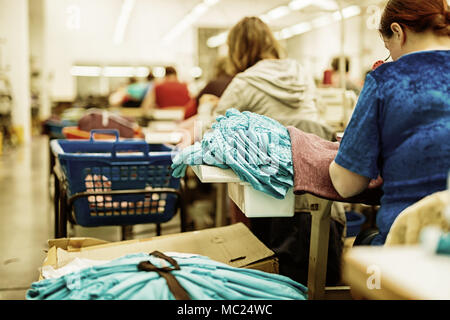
(234, 245)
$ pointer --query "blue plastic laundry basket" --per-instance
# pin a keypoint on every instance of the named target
(103, 166)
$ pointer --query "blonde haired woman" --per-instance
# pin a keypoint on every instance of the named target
(266, 83)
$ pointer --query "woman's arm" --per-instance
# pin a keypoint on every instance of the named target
(358, 157)
(346, 182)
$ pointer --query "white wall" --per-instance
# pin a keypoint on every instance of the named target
(14, 31)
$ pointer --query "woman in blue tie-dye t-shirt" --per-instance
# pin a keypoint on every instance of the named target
(400, 128)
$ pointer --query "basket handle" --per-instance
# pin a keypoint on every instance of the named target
(104, 131)
(141, 146)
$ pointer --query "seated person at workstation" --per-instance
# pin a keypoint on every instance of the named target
(400, 128)
(210, 94)
(208, 98)
(169, 93)
(132, 94)
(266, 83)
(220, 81)
(331, 77)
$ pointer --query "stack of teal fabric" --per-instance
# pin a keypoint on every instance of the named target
(255, 147)
(201, 277)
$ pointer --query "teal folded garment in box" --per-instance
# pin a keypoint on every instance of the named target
(201, 277)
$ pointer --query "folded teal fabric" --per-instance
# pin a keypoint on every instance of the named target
(201, 277)
(255, 147)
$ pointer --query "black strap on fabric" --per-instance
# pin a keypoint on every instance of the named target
(174, 286)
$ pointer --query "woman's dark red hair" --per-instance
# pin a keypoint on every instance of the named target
(417, 15)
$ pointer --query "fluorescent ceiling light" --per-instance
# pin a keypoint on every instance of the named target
(299, 4)
(337, 16)
(85, 71)
(142, 72)
(317, 23)
(159, 72)
(122, 72)
(210, 2)
(283, 34)
(293, 30)
(276, 13)
(196, 72)
(351, 11)
(296, 5)
(326, 4)
(199, 10)
(188, 20)
(122, 23)
(300, 28)
(217, 40)
(348, 12)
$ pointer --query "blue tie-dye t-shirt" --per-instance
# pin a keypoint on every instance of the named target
(400, 129)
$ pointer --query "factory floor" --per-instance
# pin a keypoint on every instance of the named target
(26, 218)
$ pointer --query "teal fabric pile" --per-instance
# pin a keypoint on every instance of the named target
(201, 277)
(255, 147)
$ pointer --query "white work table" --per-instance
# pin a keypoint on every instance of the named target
(397, 273)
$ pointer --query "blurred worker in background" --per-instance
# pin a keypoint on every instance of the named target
(136, 91)
(207, 99)
(400, 127)
(170, 92)
(220, 81)
(132, 94)
(331, 78)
